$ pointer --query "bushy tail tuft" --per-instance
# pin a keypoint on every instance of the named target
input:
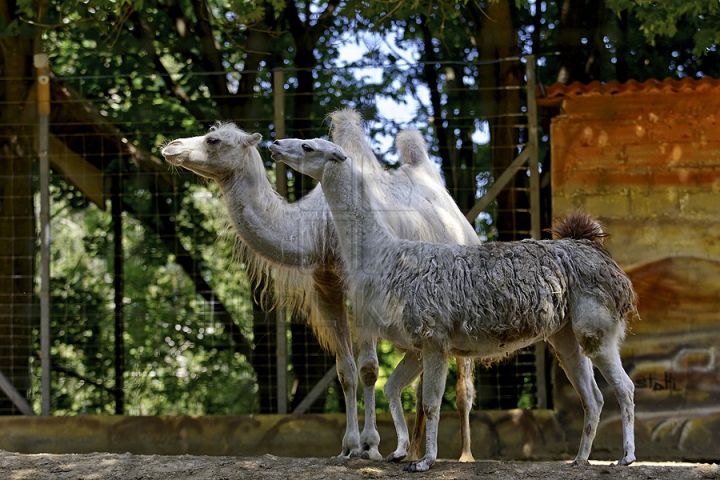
(578, 226)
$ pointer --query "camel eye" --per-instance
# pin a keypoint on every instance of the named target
(307, 148)
(212, 141)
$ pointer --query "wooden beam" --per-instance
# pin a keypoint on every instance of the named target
(76, 170)
(499, 184)
(317, 390)
(11, 392)
(68, 164)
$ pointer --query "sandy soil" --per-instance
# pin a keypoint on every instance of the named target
(14, 466)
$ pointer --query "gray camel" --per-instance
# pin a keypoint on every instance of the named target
(483, 301)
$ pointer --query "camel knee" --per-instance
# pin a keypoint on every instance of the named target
(369, 373)
(628, 387)
(431, 409)
(347, 376)
(464, 395)
(431, 406)
(599, 403)
(626, 395)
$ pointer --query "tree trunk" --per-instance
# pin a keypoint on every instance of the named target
(500, 386)
(458, 164)
(497, 39)
(17, 220)
(622, 52)
(580, 40)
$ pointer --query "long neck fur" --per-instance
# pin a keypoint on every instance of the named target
(359, 230)
(286, 234)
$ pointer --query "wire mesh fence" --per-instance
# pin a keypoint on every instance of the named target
(17, 234)
(152, 310)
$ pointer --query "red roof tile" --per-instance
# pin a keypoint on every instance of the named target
(555, 93)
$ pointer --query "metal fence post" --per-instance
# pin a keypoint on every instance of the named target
(541, 389)
(281, 187)
(40, 61)
(532, 145)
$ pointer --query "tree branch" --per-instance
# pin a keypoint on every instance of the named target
(212, 58)
(146, 38)
(74, 374)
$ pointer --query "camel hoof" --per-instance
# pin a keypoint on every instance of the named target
(349, 454)
(395, 457)
(419, 466)
(466, 458)
(578, 462)
(372, 454)
(627, 460)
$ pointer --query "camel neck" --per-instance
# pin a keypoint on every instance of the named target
(281, 232)
(361, 234)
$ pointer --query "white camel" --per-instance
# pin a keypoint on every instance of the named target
(482, 301)
(297, 242)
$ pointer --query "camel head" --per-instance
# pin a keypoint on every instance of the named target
(223, 149)
(307, 156)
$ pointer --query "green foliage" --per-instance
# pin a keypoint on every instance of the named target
(668, 18)
(178, 359)
(158, 70)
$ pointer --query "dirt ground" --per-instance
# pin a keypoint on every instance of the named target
(14, 466)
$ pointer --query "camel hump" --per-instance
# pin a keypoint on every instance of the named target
(578, 226)
(412, 148)
(345, 116)
(347, 131)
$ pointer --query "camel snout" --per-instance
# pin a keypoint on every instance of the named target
(275, 147)
(173, 149)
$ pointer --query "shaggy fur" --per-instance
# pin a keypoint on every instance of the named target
(296, 245)
(510, 291)
(484, 301)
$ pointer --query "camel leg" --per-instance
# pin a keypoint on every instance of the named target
(579, 371)
(435, 365)
(465, 395)
(600, 335)
(403, 375)
(369, 366)
(347, 376)
(419, 426)
(611, 368)
(328, 307)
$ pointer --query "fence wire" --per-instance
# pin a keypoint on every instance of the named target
(152, 311)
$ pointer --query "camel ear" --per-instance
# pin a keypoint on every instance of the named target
(254, 139)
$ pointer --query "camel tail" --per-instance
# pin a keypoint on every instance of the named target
(578, 226)
(619, 291)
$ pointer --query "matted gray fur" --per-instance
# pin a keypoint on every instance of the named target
(512, 291)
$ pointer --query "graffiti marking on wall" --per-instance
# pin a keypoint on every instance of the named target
(667, 382)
